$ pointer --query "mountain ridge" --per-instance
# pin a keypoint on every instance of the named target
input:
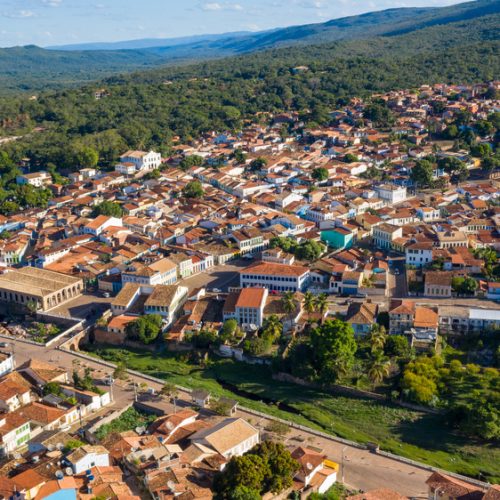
(63, 68)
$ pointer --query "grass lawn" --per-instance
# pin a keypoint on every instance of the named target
(409, 433)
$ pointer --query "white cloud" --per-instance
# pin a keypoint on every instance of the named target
(20, 14)
(213, 6)
(52, 3)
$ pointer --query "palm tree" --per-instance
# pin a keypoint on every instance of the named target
(273, 327)
(379, 369)
(378, 337)
(289, 303)
(309, 303)
(322, 304)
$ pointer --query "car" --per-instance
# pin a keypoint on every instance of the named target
(216, 290)
(109, 380)
(396, 271)
(106, 295)
(4, 344)
(274, 292)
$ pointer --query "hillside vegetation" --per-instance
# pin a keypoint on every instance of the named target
(33, 69)
(146, 109)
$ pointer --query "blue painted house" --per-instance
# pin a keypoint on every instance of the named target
(338, 238)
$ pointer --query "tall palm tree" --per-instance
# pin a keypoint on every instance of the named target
(289, 305)
(309, 302)
(379, 369)
(273, 327)
(322, 304)
(378, 337)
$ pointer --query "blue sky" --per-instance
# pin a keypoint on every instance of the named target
(54, 22)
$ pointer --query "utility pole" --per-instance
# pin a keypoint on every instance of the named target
(342, 462)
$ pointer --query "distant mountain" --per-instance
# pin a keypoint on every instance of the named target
(32, 68)
(146, 43)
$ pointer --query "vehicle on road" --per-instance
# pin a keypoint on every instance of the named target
(216, 290)
(396, 272)
(4, 344)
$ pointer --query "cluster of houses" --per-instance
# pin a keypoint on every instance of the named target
(37, 397)
(178, 454)
(347, 187)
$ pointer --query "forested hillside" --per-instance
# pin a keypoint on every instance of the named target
(147, 109)
(32, 69)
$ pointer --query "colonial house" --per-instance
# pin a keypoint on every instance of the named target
(278, 277)
(248, 308)
(231, 437)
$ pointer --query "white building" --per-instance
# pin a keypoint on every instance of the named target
(231, 437)
(249, 306)
(428, 214)
(14, 432)
(142, 160)
(385, 234)
(161, 272)
(36, 179)
(166, 300)
(278, 277)
(100, 223)
(419, 254)
(13, 394)
(391, 193)
(87, 457)
(6, 363)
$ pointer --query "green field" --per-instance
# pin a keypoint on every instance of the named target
(416, 435)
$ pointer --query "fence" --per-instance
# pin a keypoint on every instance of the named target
(300, 427)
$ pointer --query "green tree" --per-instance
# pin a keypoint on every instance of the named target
(257, 164)
(272, 328)
(322, 304)
(191, 161)
(239, 156)
(422, 173)
(52, 388)
(397, 345)
(289, 303)
(481, 150)
(247, 471)
(333, 348)
(379, 114)
(145, 328)
(320, 174)
(193, 189)
(350, 158)
(379, 369)
(108, 208)
(87, 157)
(229, 328)
(378, 337)
(204, 339)
(309, 302)
(309, 250)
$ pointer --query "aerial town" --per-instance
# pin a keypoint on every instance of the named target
(358, 260)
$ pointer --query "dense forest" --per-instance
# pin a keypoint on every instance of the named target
(145, 110)
(32, 68)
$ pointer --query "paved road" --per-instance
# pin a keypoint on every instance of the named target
(220, 277)
(362, 470)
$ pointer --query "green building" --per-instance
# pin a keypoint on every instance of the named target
(337, 237)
